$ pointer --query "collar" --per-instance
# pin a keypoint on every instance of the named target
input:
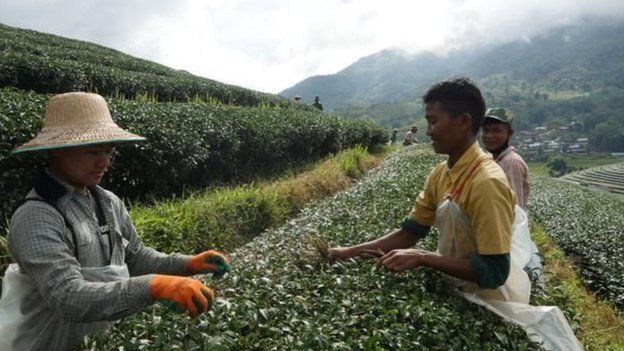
(505, 152)
(65, 186)
(474, 152)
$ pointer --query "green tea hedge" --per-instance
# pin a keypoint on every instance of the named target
(50, 64)
(280, 296)
(189, 145)
(589, 227)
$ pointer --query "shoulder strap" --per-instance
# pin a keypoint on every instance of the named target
(99, 212)
(102, 223)
(458, 189)
(67, 224)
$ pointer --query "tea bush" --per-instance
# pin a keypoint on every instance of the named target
(189, 145)
(51, 64)
(280, 296)
(589, 227)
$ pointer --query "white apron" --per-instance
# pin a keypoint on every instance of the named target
(25, 330)
(546, 324)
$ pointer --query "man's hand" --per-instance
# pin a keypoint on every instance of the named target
(403, 259)
(345, 253)
(210, 261)
(340, 253)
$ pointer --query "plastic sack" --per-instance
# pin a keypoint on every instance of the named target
(545, 324)
(20, 331)
(522, 246)
(524, 252)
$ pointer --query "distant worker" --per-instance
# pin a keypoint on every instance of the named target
(393, 137)
(496, 133)
(410, 136)
(80, 264)
(317, 103)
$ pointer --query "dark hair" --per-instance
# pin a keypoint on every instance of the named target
(456, 96)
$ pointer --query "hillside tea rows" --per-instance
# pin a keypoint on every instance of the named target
(282, 296)
(589, 227)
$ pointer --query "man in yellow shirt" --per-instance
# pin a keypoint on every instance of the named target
(467, 197)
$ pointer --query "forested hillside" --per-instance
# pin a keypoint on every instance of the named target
(569, 74)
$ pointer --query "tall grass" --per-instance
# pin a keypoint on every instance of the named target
(226, 218)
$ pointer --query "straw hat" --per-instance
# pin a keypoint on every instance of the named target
(77, 119)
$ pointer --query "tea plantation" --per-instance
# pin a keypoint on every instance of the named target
(282, 296)
(200, 132)
(609, 178)
(51, 64)
(189, 145)
(589, 227)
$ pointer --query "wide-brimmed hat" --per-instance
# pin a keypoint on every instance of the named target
(77, 119)
(500, 114)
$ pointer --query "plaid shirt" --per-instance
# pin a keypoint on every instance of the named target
(44, 248)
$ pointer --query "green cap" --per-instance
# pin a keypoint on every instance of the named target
(499, 114)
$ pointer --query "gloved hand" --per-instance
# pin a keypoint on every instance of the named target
(209, 262)
(181, 293)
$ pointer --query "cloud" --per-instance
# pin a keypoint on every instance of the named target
(270, 45)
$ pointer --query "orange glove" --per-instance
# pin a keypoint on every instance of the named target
(181, 293)
(209, 262)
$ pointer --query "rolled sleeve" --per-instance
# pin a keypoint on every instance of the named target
(491, 271)
(417, 229)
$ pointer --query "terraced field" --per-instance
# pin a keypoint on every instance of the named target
(608, 178)
(589, 227)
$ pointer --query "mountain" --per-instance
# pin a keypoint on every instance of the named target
(573, 73)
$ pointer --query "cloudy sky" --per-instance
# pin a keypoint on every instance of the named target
(270, 45)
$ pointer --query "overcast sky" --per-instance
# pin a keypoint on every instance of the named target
(270, 45)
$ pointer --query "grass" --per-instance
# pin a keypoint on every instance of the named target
(226, 218)
(540, 168)
(596, 323)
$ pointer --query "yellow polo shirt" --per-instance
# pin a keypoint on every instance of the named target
(486, 199)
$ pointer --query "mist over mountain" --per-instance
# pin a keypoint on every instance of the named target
(593, 51)
(574, 73)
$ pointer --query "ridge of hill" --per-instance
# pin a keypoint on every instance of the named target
(48, 63)
(570, 74)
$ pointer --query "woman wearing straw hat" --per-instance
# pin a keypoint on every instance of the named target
(79, 262)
